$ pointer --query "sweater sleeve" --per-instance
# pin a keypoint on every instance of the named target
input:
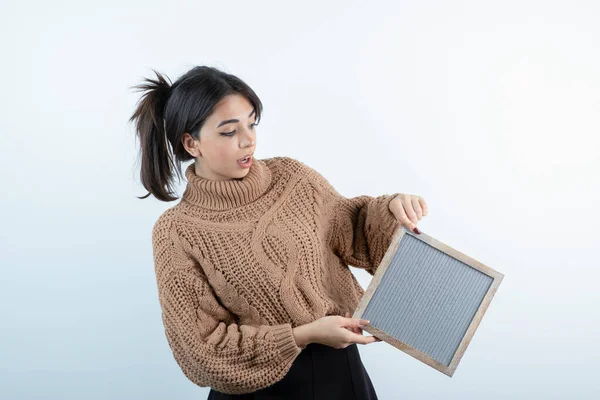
(211, 349)
(360, 229)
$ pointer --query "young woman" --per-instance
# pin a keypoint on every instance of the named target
(252, 263)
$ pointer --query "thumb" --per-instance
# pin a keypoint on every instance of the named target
(357, 322)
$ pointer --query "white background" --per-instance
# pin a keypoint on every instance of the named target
(488, 109)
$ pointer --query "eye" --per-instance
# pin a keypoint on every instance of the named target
(232, 132)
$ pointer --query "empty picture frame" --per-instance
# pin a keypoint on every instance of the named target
(427, 299)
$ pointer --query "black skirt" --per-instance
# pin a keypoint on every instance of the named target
(319, 372)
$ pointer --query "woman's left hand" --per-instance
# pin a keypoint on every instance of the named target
(409, 209)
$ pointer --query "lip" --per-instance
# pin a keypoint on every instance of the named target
(247, 155)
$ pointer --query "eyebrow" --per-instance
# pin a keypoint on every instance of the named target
(228, 121)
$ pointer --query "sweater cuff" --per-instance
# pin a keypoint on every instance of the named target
(284, 339)
(389, 222)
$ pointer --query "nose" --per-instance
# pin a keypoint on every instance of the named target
(249, 138)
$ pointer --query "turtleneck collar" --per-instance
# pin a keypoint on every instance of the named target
(222, 195)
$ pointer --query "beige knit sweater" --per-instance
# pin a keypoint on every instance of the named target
(241, 262)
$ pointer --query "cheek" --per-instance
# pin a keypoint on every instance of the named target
(227, 151)
(215, 150)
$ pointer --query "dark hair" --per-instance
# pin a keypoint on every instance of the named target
(166, 112)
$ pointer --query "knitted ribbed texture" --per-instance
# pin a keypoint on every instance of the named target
(241, 262)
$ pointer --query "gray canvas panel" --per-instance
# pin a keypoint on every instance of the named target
(427, 299)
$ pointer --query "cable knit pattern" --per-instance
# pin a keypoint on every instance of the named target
(240, 263)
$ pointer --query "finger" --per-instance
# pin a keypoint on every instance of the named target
(350, 328)
(358, 329)
(356, 323)
(417, 207)
(405, 220)
(360, 323)
(355, 329)
(364, 339)
(424, 206)
(407, 204)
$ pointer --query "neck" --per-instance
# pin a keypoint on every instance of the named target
(230, 193)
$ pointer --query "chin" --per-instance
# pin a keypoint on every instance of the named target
(243, 172)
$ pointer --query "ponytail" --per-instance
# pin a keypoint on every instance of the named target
(157, 160)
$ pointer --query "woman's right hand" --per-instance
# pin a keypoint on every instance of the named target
(339, 332)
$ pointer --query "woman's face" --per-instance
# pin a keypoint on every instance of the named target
(226, 136)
